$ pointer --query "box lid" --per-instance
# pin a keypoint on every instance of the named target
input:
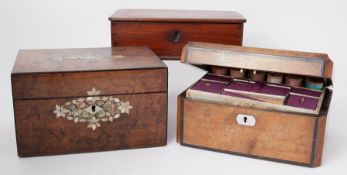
(270, 60)
(85, 59)
(54, 73)
(152, 15)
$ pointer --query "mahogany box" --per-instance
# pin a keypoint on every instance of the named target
(86, 100)
(167, 31)
(274, 121)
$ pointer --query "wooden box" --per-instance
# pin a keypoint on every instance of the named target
(84, 100)
(214, 115)
(167, 31)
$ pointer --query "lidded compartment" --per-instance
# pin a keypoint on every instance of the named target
(281, 80)
(167, 31)
(86, 100)
(234, 109)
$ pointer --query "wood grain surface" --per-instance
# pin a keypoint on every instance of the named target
(160, 37)
(39, 132)
(276, 135)
(72, 84)
(85, 59)
(167, 31)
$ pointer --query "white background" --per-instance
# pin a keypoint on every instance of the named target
(311, 25)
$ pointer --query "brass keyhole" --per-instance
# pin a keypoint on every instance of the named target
(244, 119)
(176, 36)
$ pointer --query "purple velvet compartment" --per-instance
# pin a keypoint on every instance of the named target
(237, 95)
(240, 86)
(209, 86)
(213, 77)
(275, 90)
(306, 92)
(307, 103)
(257, 87)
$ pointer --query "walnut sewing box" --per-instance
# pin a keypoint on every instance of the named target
(86, 100)
(281, 117)
(167, 31)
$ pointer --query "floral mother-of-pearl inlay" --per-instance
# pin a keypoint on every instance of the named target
(93, 109)
(85, 57)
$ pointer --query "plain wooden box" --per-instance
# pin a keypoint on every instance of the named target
(86, 100)
(289, 137)
(167, 31)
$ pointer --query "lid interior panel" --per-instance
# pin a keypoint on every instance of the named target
(269, 60)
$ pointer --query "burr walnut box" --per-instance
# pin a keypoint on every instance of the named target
(86, 100)
(167, 31)
(260, 103)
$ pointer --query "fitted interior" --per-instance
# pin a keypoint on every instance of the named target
(217, 87)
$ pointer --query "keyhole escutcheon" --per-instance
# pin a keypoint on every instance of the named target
(245, 120)
(177, 36)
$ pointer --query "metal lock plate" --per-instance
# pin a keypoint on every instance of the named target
(245, 120)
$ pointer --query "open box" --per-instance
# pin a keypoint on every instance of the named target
(260, 119)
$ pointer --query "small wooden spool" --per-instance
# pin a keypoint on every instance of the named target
(218, 70)
(293, 80)
(274, 78)
(237, 73)
(256, 75)
(314, 83)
